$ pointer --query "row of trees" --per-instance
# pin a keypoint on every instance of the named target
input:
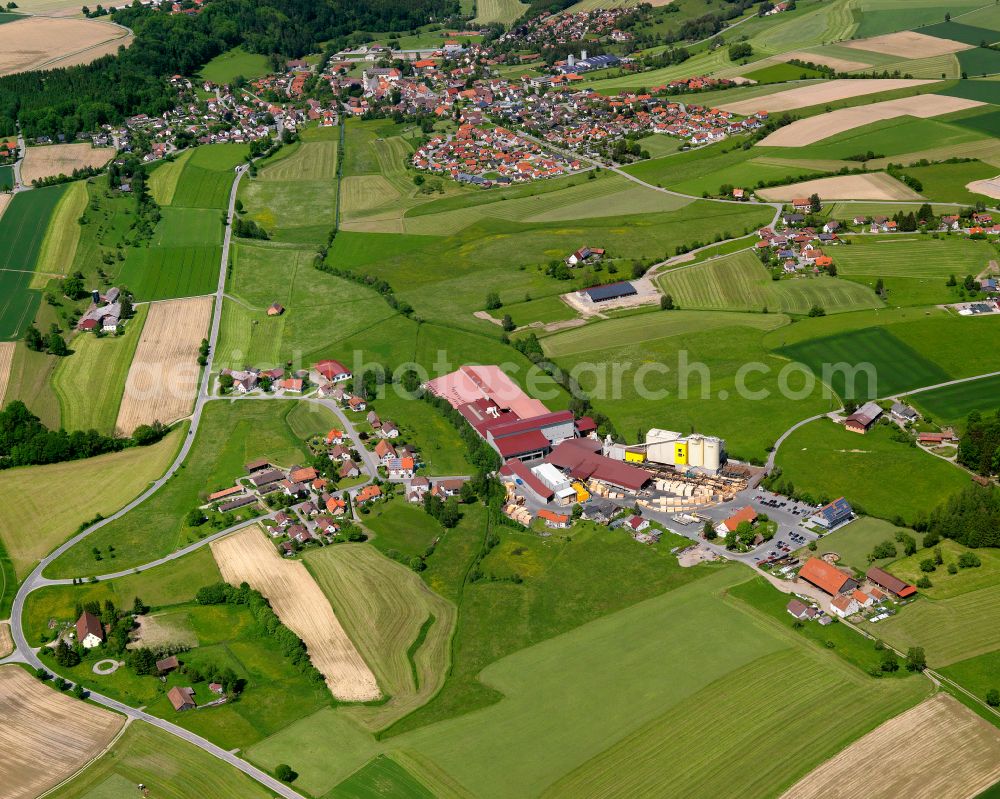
(25, 440)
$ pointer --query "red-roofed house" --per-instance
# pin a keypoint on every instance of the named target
(747, 514)
(334, 371)
(827, 577)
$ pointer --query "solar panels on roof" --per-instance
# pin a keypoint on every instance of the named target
(611, 292)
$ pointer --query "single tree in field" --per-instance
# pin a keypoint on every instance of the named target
(56, 344)
(815, 206)
(667, 302)
(493, 301)
(993, 697)
(915, 658)
(284, 772)
(33, 339)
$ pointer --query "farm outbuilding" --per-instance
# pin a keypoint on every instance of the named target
(612, 291)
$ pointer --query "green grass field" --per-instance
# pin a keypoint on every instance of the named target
(739, 282)
(884, 364)
(33, 526)
(22, 229)
(382, 776)
(294, 198)
(91, 381)
(950, 630)
(954, 403)
(877, 475)
(164, 178)
(978, 674)
(856, 541)
(503, 11)
(913, 256)
(160, 588)
(547, 743)
(888, 137)
(987, 91)
(8, 582)
(402, 629)
(160, 273)
(876, 17)
(961, 32)
(778, 73)
(59, 247)
(402, 527)
(235, 63)
(945, 585)
(30, 381)
(230, 435)
(175, 768)
(947, 182)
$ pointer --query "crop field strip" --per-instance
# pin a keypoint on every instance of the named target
(23, 228)
(248, 556)
(163, 377)
(897, 365)
(954, 403)
(385, 608)
(38, 724)
(145, 754)
(61, 159)
(913, 256)
(739, 282)
(937, 749)
(63, 236)
(91, 382)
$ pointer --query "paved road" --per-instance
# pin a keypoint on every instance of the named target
(24, 653)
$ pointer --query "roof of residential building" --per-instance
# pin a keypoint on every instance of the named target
(823, 575)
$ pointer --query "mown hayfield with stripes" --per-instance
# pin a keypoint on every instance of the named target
(627, 330)
(739, 282)
(386, 609)
(504, 11)
(954, 403)
(949, 629)
(295, 198)
(913, 256)
(582, 714)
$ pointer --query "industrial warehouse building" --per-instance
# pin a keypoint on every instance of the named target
(668, 448)
(613, 291)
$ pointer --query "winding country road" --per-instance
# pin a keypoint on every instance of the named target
(24, 653)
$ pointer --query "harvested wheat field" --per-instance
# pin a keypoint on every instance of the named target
(163, 379)
(907, 44)
(60, 159)
(875, 186)
(813, 129)
(6, 359)
(991, 187)
(937, 750)
(45, 735)
(37, 42)
(6, 642)
(818, 93)
(248, 556)
(839, 64)
(5, 199)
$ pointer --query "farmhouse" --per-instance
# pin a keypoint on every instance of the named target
(89, 631)
(368, 494)
(275, 309)
(834, 514)
(747, 514)
(181, 698)
(827, 577)
(553, 519)
(903, 413)
(844, 605)
(863, 418)
(800, 610)
(333, 371)
(890, 583)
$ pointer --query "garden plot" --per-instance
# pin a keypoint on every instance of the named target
(249, 557)
(816, 94)
(817, 128)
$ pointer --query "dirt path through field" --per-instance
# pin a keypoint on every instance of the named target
(45, 735)
(937, 750)
(163, 379)
(248, 556)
